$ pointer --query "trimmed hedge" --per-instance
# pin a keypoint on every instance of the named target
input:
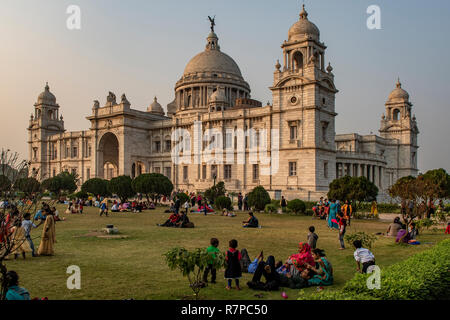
(423, 276)
(297, 206)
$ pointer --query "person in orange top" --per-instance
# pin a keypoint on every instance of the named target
(347, 210)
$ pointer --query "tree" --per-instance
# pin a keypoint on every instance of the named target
(121, 186)
(63, 183)
(439, 184)
(192, 264)
(16, 172)
(258, 198)
(223, 202)
(29, 186)
(216, 191)
(352, 189)
(408, 189)
(297, 206)
(183, 198)
(96, 186)
(152, 185)
(5, 185)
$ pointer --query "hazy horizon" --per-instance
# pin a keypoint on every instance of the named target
(141, 48)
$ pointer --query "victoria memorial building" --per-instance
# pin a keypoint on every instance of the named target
(212, 92)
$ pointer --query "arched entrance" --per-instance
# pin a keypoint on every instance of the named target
(108, 156)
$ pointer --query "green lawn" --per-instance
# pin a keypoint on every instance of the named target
(135, 268)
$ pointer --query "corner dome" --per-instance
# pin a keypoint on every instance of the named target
(398, 94)
(303, 28)
(212, 60)
(46, 97)
(155, 108)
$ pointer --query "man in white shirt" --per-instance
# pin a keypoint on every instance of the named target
(363, 256)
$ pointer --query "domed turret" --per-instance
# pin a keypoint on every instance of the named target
(155, 108)
(304, 28)
(46, 97)
(398, 94)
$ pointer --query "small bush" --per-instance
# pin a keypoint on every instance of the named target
(310, 204)
(258, 198)
(271, 208)
(309, 212)
(275, 203)
(223, 202)
(183, 197)
(366, 239)
(297, 206)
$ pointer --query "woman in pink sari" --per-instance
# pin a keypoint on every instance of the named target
(303, 257)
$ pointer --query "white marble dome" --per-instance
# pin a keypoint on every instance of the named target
(212, 60)
(46, 97)
(155, 107)
(303, 28)
(398, 94)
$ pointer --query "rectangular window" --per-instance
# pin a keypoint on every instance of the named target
(54, 172)
(325, 169)
(293, 133)
(89, 152)
(74, 152)
(204, 171)
(168, 145)
(255, 172)
(227, 171)
(292, 169)
(185, 173)
(67, 152)
(157, 146)
(168, 172)
(228, 141)
(88, 174)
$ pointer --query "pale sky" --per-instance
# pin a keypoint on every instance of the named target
(140, 48)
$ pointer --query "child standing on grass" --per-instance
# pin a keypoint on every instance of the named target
(312, 237)
(212, 250)
(233, 270)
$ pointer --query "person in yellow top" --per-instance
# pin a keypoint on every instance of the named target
(374, 209)
(347, 210)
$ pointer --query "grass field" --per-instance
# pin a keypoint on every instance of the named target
(135, 267)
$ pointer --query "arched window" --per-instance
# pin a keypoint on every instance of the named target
(297, 60)
(396, 114)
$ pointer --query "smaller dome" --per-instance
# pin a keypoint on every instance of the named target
(398, 94)
(303, 28)
(155, 107)
(47, 97)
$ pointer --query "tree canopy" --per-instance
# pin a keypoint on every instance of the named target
(96, 186)
(258, 198)
(122, 187)
(152, 185)
(352, 189)
(27, 185)
(64, 182)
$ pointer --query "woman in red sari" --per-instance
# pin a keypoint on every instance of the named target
(303, 257)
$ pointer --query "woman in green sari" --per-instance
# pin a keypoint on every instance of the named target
(323, 270)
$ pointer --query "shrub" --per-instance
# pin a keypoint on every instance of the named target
(192, 263)
(81, 195)
(258, 198)
(271, 208)
(423, 276)
(297, 206)
(223, 202)
(310, 204)
(366, 239)
(275, 203)
(309, 212)
(183, 197)
(215, 191)
(121, 186)
(96, 186)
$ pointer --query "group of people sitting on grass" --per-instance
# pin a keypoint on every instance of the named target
(403, 233)
(177, 220)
